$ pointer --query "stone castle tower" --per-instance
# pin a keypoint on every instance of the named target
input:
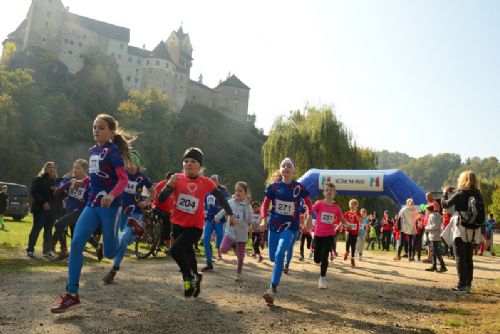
(49, 25)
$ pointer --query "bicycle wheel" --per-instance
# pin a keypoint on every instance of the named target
(147, 243)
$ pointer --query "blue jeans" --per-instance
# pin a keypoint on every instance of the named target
(279, 243)
(125, 238)
(88, 221)
(209, 228)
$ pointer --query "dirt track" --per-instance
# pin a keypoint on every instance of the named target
(378, 296)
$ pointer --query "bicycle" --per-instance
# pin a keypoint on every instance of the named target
(150, 241)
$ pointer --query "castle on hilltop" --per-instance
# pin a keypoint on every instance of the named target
(49, 25)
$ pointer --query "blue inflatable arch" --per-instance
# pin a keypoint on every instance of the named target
(391, 183)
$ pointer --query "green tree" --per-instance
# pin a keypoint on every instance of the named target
(494, 207)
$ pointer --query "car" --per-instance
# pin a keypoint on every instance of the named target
(19, 204)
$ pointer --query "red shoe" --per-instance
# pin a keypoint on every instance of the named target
(67, 303)
(353, 263)
(346, 254)
(136, 226)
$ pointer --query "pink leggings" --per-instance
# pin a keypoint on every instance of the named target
(239, 247)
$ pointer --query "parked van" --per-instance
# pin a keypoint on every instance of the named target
(19, 205)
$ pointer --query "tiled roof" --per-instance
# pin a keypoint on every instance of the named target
(233, 81)
(161, 52)
(102, 28)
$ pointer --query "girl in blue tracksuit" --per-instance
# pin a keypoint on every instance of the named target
(212, 207)
(132, 205)
(107, 180)
(285, 195)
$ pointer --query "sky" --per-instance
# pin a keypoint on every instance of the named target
(418, 77)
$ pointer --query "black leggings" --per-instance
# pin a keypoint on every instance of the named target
(386, 239)
(256, 240)
(465, 264)
(334, 243)
(304, 237)
(404, 243)
(351, 242)
(183, 249)
(61, 227)
(322, 251)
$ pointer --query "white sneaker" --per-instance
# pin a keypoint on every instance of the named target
(310, 255)
(360, 257)
(238, 277)
(219, 258)
(322, 282)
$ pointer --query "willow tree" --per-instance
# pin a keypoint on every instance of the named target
(314, 138)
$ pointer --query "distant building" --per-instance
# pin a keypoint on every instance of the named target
(49, 25)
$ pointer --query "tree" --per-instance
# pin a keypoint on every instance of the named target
(494, 207)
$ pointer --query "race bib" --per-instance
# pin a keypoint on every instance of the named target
(131, 187)
(94, 164)
(76, 193)
(352, 227)
(284, 208)
(327, 218)
(187, 204)
(255, 217)
(211, 200)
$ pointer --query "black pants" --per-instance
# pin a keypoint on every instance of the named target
(404, 243)
(463, 257)
(378, 237)
(436, 255)
(183, 249)
(43, 219)
(305, 237)
(61, 227)
(371, 243)
(417, 244)
(351, 242)
(386, 239)
(256, 240)
(334, 243)
(322, 251)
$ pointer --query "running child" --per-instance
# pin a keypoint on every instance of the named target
(285, 195)
(108, 179)
(256, 232)
(327, 212)
(362, 233)
(236, 235)
(132, 206)
(353, 218)
(189, 189)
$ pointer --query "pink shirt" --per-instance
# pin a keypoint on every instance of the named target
(327, 218)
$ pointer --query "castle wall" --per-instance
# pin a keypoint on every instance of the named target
(200, 94)
(233, 101)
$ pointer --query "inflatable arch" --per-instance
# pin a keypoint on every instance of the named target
(391, 183)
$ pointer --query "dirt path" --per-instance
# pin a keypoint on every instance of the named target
(378, 296)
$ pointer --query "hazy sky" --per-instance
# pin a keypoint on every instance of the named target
(417, 77)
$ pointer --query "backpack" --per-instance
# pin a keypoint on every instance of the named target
(474, 217)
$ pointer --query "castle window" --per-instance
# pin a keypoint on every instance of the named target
(70, 52)
(128, 78)
(43, 39)
(235, 92)
(157, 63)
(80, 44)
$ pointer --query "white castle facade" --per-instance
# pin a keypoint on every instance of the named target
(49, 25)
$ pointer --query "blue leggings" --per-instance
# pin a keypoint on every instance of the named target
(289, 252)
(88, 221)
(209, 228)
(279, 243)
(125, 238)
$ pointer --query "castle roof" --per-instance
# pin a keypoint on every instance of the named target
(102, 28)
(161, 52)
(138, 52)
(199, 84)
(233, 81)
(180, 33)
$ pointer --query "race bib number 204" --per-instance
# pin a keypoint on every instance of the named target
(187, 204)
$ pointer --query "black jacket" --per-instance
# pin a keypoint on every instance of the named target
(460, 199)
(3, 202)
(41, 192)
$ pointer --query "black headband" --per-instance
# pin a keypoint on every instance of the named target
(194, 154)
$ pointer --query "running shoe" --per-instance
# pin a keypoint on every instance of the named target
(285, 270)
(442, 270)
(322, 282)
(260, 258)
(269, 296)
(208, 267)
(61, 257)
(462, 289)
(67, 303)
(197, 284)
(30, 254)
(397, 258)
(346, 254)
(353, 263)
(431, 269)
(188, 288)
(238, 277)
(48, 254)
(110, 277)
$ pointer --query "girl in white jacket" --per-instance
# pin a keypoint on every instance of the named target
(236, 235)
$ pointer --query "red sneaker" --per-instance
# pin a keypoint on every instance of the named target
(346, 254)
(136, 226)
(67, 303)
(353, 263)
